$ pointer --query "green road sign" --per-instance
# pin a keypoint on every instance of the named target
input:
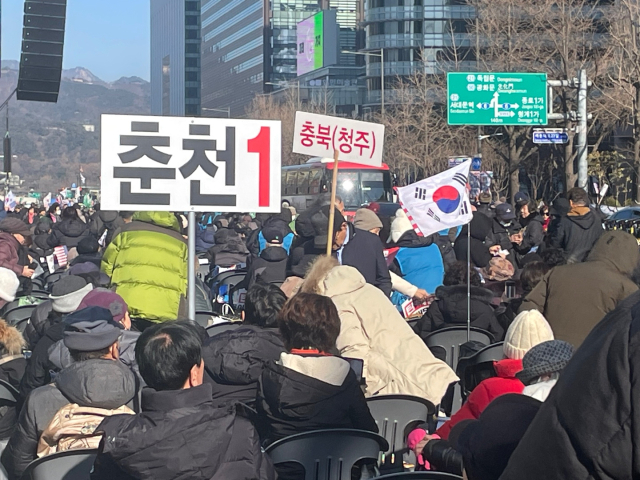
(497, 98)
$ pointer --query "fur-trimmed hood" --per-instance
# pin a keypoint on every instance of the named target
(11, 338)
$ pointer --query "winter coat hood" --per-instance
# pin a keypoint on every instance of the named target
(480, 226)
(228, 241)
(327, 277)
(238, 357)
(454, 297)
(585, 221)
(410, 239)
(100, 383)
(274, 254)
(71, 227)
(161, 219)
(108, 216)
(618, 249)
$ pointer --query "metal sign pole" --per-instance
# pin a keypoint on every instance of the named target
(191, 264)
(332, 207)
(469, 282)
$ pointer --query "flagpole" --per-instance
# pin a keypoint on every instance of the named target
(332, 205)
(468, 281)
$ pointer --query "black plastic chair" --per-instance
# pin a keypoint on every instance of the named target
(38, 282)
(12, 317)
(230, 282)
(449, 340)
(54, 277)
(396, 416)
(328, 454)
(218, 328)
(478, 367)
(69, 465)
(420, 476)
(8, 392)
(43, 294)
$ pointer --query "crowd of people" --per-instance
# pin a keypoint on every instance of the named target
(109, 361)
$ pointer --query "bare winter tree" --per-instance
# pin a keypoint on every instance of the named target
(624, 72)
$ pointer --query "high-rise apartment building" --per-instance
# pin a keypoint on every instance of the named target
(175, 57)
(250, 45)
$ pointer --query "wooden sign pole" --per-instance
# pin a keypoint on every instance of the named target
(332, 205)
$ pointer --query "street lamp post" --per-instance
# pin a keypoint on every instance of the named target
(372, 54)
(226, 110)
(286, 85)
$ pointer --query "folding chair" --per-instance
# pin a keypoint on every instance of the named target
(478, 367)
(450, 339)
(69, 465)
(396, 416)
(14, 316)
(328, 454)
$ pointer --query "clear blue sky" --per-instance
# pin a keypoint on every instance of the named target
(109, 37)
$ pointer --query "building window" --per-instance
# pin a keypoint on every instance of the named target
(191, 20)
(191, 34)
(191, 76)
(191, 6)
(192, 48)
(191, 62)
(191, 92)
(191, 109)
(166, 85)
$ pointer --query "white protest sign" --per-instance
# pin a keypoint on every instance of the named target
(321, 135)
(190, 164)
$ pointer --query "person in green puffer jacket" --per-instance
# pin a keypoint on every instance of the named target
(147, 263)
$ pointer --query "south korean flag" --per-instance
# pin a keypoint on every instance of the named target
(439, 202)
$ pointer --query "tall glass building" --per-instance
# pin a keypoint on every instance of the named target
(416, 35)
(175, 57)
(248, 45)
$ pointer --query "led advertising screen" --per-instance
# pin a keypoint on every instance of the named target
(317, 42)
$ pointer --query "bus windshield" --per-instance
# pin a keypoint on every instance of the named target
(360, 187)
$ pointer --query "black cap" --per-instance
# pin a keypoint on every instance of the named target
(272, 234)
(504, 212)
(560, 207)
(521, 198)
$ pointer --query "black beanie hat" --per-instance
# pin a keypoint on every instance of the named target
(88, 245)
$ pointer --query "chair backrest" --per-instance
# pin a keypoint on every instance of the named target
(21, 325)
(328, 454)
(420, 476)
(69, 465)
(218, 328)
(40, 294)
(472, 370)
(54, 277)
(8, 392)
(12, 317)
(396, 416)
(451, 338)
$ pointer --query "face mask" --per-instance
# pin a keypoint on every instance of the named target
(505, 224)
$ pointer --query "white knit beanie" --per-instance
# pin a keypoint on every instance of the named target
(528, 329)
(9, 284)
(399, 226)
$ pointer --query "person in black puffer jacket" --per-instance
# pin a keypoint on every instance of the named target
(66, 295)
(578, 232)
(480, 229)
(450, 307)
(235, 359)
(229, 249)
(105, 223)
(69, 231)
(180, 433)
(307, 388)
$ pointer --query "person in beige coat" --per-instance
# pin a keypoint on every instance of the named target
(396, 360)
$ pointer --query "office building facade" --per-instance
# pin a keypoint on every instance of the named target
(416, 35)
(249, 46)
(175, 57)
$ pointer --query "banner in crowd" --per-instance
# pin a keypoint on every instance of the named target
(321, 135)
(439, 202)
(10, 201)
(190, 164)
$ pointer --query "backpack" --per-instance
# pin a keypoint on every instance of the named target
(73, 427)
